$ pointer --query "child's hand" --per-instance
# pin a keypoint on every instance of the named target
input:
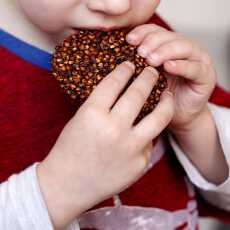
(183, 58)
(192, 125)
(99, 152)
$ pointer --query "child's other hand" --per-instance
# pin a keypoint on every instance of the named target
(100, 152)
(185, 62)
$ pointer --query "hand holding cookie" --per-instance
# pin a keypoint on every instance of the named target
(102, 143)
(190, 73)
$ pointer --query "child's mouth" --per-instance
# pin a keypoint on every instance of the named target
(101, 28)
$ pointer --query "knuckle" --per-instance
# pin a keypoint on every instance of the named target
(142, 163)
(203, 68)
(182, 45)
(208, 72)
(206, 58)
(147, 78)
(175, 47)
(187, 67)
(148, 28)
(112, 132)
(115, 78)
(191, 46)
(153, 36)
(206, 67)
(156, 27)
(170, 108)
(140, 28)
(138, 93)
(167, 111)
(115, 81)
(164, 120)
(168, 34)
(200, 69)
(139, 137)
(89, 112)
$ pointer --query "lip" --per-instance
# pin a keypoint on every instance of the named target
(101, 28)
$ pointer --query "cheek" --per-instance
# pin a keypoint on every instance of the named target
(49, 15)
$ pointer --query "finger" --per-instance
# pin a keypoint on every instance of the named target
(154, 123)
(130, 104)
(136, 36)
(107, 91)
(177, 49)
(192, 70)
(154, 40)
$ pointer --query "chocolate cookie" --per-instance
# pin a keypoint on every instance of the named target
(83, 59)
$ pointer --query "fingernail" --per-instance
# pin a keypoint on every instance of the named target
(171, 63)
(130, 64)
(153, 70)
(143, 51)
(154, 58)
(131, 37)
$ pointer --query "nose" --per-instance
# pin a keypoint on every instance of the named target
(110, 7)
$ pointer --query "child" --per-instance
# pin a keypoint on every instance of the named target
(90, 155)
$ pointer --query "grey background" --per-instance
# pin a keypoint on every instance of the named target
(207, 22)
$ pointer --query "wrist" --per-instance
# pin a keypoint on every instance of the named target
(187, 127)
(65, 198)
(199, 141)
(53, 196)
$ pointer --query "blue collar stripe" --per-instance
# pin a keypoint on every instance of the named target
(26, 51)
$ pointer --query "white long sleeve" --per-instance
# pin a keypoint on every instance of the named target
(22, 206)
(217, 195)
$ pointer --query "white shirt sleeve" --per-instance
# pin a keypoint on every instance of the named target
(21, 203)
(216, 195)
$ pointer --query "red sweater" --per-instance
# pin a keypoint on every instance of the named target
(34, 111)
